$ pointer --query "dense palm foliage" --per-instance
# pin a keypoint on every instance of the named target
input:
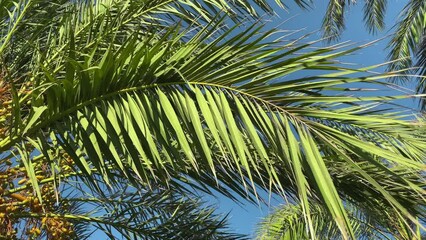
(129, 107)
(407, 47)
(287, 223)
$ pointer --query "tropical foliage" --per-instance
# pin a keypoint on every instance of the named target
(407, 47)
(132, 108)
(287, 223)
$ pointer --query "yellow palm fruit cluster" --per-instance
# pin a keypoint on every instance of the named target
(14, 202)
(5, 108)
(57, 228)
(6, 103)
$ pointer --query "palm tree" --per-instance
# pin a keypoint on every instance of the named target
(407, 48)
(287, 222)
(132, 108)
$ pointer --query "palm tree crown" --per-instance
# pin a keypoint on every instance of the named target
(131, 106)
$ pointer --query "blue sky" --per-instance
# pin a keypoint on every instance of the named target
(244, 219)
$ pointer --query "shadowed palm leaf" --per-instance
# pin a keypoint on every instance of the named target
(407, 46)
(287, 222)
(145, 92)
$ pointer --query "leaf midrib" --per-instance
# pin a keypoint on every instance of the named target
(11, 140)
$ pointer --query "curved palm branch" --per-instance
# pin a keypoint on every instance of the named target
(408, 36)
(157, 214)
(287, 222)
(158, 104)
(407, 46)
(334, 19)
(374, 15)
(333, 22)
(130, 211)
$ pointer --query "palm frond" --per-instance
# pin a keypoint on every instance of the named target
(145, 127)
(127, 212)
(408, 35)
(287, 222)
(374, 15)
(159, 104)
(159, 216)
(333, 23)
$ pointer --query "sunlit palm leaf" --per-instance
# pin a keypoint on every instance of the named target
(158, 104)
(408, 35)
(287, 222)
(150, 125)
(374, 14)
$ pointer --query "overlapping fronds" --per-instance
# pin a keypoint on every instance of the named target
(407, 49)
(210, 109)
(81, 212)
(334, 19)
(159, 104)
(287, 222)
(408, 36)
(159, 214)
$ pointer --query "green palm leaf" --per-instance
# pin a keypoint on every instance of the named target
(129, 93)
(287, 222)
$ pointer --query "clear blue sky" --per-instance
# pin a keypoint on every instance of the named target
(243, 220)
